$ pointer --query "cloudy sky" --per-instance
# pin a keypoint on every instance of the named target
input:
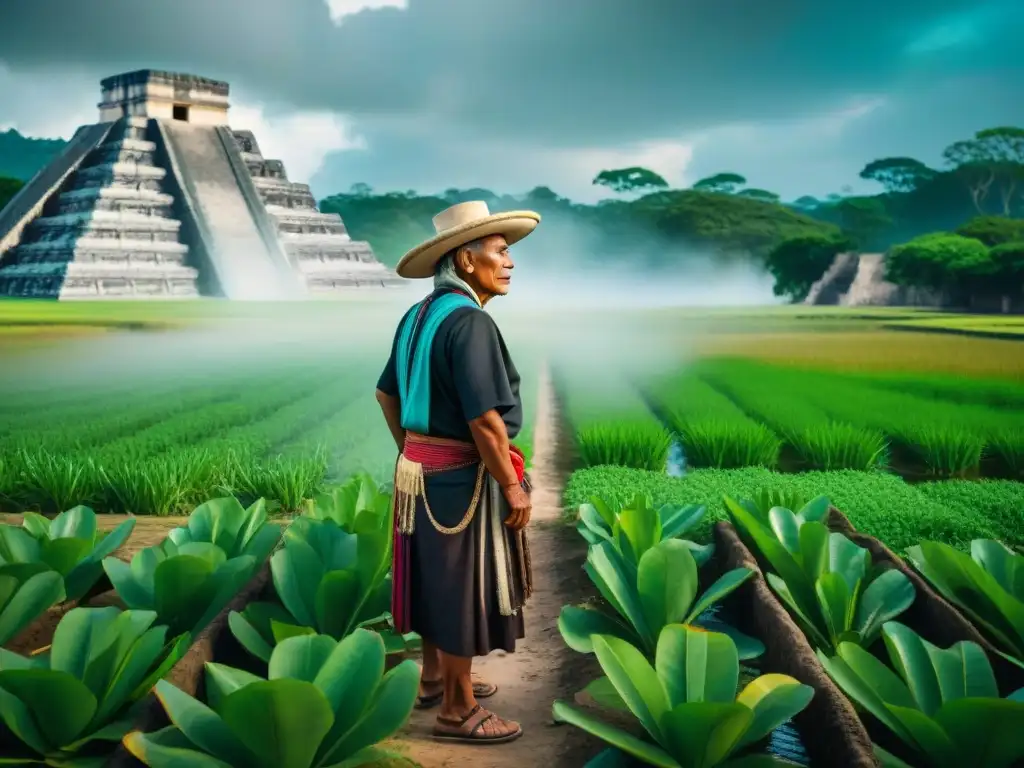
(797, 95)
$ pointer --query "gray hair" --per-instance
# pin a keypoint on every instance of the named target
(447, 276)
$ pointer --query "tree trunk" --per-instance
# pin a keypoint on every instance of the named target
(1006, 304)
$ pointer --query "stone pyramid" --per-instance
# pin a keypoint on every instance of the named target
(161, 199)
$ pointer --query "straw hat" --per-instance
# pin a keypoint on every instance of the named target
(462, 224)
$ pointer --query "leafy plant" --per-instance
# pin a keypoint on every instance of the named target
(826, 581)
(660, 591)
(639, 444)
(328, 580)
(27, 590)
(70, 544)
(987, 585)
(358, 497)
(58, 704)
(186, 585)
(635, 527)
(764, 500)
(687, 701)
(942, 703)
(325, 704)
(237, 531)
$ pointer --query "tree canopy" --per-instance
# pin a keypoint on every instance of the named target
(798, 262)
(630, 180)
(725, 183)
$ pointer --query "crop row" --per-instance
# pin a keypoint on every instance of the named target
(610, 420)
(847, 598)
(323, 698)
(731, 413)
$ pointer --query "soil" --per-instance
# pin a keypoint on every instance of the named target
(543, 668)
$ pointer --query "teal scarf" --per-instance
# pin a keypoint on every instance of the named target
(415, 340)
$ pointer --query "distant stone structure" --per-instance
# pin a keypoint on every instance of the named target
(858, 280)
(162, 199)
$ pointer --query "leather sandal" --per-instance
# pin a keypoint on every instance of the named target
(468, 728)
(481, 690)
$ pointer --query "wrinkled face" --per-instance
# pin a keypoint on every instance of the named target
(487, 266)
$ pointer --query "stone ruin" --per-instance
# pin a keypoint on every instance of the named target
(858, 280)
(161, 199)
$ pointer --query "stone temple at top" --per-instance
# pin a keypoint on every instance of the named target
(161, 199)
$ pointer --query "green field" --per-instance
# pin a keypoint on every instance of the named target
(150, 408)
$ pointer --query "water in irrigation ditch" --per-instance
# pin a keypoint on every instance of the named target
(675, 466)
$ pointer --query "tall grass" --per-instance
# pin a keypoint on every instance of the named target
(819, 441)
(945, 439)
(639, 445)
(712, 430)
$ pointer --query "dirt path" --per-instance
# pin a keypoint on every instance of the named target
(543, 668)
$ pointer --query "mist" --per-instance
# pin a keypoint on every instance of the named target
(575, 301)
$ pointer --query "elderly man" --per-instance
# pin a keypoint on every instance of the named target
(450, 395)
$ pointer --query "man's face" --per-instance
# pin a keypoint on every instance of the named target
(488, 268)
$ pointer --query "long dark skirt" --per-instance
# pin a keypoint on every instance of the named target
(454, 599)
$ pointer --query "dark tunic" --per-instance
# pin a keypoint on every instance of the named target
(471, 373)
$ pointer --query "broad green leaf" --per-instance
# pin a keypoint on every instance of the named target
(746, 646)
(835, 599)
(62, 555)
(885, 598)
(249, 638)
(774, 699)
(222, 681)
(911, 660)
(156, 755)
(282, 722)
(336, 603)
(125, 584)
(861, 685)
(386, 712)
(78, 522)
(725, 585)
(696, 666)
(608, 573)
(786, 529)
(282, 631)
(578, 625)
(666, 584)
(202, 726)
(814, 510)
(849, 560)
(37, 525)
(32, 599)
(38, 689)
(19, 721)
(182, 585)
(642, 750)
(675, 521)
(297, 573)
(113, 540)
(635, 680)
(925, 735)
(300, 657)
(604, 694)
(17, 545)
(705, 732)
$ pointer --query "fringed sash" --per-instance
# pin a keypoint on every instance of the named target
(422, 456)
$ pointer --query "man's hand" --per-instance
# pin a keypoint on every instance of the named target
(519, 501)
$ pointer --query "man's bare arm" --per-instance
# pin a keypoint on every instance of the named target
(491, 438)
(392, 408)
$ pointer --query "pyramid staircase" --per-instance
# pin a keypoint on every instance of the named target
(109, 231)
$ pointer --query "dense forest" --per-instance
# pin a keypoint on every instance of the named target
(957, 230)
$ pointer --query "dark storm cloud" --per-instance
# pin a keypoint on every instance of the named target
(560, 72)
